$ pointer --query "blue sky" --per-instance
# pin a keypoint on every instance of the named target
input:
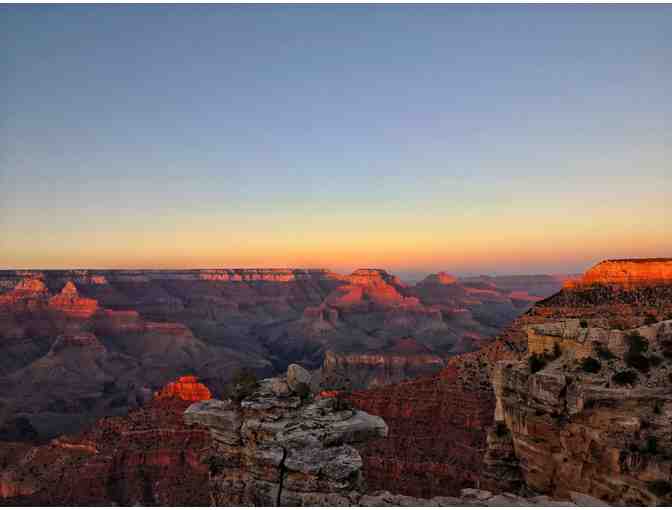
(464, 138)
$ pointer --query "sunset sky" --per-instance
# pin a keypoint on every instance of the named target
(469, 139)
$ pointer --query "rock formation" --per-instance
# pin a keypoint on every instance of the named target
(279, 447)
(186, 388)
(437, 433)
(404, 359)
(71, 304)
(593, 414)
(150, 457)
(454, 412)
(153, 326)
(627, 273)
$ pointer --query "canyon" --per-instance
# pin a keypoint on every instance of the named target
(569, 402)
(78, 345)
(275, 446)
(553, 431)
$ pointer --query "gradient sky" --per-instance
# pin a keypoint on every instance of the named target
(501, 139)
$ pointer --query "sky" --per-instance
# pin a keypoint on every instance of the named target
(471, 139)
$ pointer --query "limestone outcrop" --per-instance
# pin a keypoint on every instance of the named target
(280, 447)
(593, 414)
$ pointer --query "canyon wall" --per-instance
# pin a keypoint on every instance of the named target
(149, 457)
(595, 416)
(454, 413)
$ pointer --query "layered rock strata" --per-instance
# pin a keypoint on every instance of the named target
(627, 273)
(591, 414)
(280, 447)
(149, 457)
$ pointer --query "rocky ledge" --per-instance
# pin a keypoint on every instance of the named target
(589, 409)
(279, 446)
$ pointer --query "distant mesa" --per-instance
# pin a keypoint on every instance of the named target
(70, 303)
(626, 273)
(369, 277)
(31, 286)
(185, 388)
(440, 278)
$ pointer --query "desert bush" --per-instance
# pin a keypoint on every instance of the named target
(302, 390)
(591, 365)
(583, 323)
(603, 352)
(650, 319)
(655, 360)
(636, 342)
(625, 377)
(634, 358)
(536, 363)
(651, 446)
(660, 487)
(215, 464)
(501, 429)
(242, 385)
(638, 362)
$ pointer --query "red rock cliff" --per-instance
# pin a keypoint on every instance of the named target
(627, 273)
(185, 388)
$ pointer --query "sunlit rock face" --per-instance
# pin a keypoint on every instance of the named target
(70, 303)
(441, 278)
(185, 388)
(627, 273)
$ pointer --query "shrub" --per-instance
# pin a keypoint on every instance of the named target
(583, 323)
(637, 343)
(650, 319)
(603, 352)
(215, 464)
(637, 361)
(651, 446)
(302, 390)
(501, 429)
(625, 377)
(557, 351)
(536, 363)
(591, 365)
(655, 360)
(657, 408)
(634, 358)
(242, 385)
(660, 487)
